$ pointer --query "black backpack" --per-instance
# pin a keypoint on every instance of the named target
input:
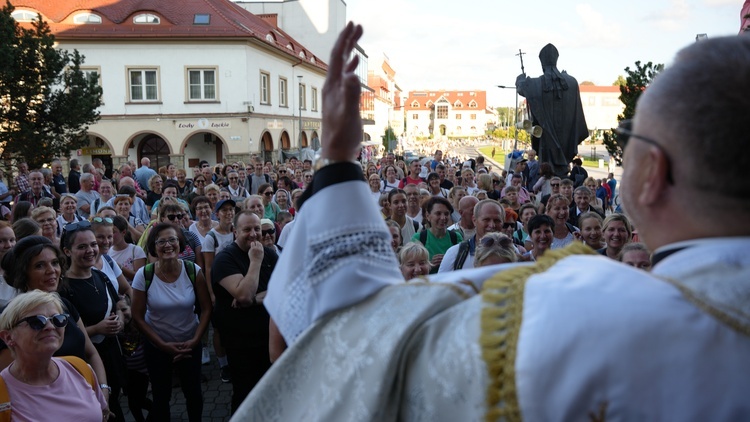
(451, 233)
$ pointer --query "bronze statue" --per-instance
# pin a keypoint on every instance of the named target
(555, 105)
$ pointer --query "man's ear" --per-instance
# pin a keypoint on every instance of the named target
(655, 177)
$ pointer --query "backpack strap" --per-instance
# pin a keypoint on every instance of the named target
(454, 236)
(416, 226)
(463, 253)
(109, 261)
(4, 402)
(148, 274)
(216, 240)
(423, 237)
(83, 368)
(189, 269)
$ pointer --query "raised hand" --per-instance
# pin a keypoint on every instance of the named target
(342, 123)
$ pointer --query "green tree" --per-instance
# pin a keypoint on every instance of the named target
(636, 82)
(620, 81)
(389, 136)
(46, 101)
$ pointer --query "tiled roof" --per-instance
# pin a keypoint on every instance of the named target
(227, 20)
(453, 97)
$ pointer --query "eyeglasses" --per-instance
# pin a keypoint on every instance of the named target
(554, 185)
(102, 220)
(38, 322)
(624, 133)
(268, 232)
(282, 171)
(171, 241)
(509, 225)
(267, 193)
(70, 228)
(205, 166)
(171, 217)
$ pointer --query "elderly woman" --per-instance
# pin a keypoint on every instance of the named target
(94, 297)
(36, 264)
(212, 193)
(373, 182)
(437, 239)
(268, 235)
(184, 185)
(68, 214)
(155, 184)
(617, 232)
(106, 192)
(414, 260)
(558, 209)
(166, 297)
(494, 248)
(201, 208)
(123, 205)
(270, 208)
(590, 224)
(43, 387)
(46, 217)
(636, 255)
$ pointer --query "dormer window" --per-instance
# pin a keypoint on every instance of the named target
(415, 104)
(24, 15)
(147, 19)
(270, 38)
(473, 104)
(458, 104)
(312, 60)
(86, 18)
(289, 46)
(201, 19)
(302, 54)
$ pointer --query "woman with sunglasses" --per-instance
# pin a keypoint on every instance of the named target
(41, 386)
(268, 235)
(94, 297)
(163, 309)
(270, 208)
(36, 264)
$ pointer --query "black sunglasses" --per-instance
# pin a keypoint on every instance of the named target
(268, 193)
(282, 171)
(625, 131)
(70, 228)
(554, 184)
(171, 217)
(489, 241)
(509, 225)
(38, 322)
(268, 232)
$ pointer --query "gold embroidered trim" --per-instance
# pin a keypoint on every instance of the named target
(501, 322)
(702, 304)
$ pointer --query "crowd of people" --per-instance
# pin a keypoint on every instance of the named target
(114, 282)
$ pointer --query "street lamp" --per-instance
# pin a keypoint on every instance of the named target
(299, 87)
(515, 114)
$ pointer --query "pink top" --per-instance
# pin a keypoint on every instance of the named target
(68, 398)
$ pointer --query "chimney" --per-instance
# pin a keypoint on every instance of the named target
(271, 18)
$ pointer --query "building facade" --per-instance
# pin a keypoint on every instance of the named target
(447, 114)
(206, 80)
(601, 106)
(385, 103)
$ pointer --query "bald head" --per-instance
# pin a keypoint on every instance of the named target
(466, 209)
(145, 161)
(126, 181)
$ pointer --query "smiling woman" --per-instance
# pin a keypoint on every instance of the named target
(33, 327)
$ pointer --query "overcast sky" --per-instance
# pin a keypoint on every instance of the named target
(471, 44)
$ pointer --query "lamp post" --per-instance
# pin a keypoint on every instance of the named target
(299, 87)
(515, 115)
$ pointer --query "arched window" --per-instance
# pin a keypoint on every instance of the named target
(147, 19)
(24, 15)
(270, 38)
(473, 104)
(415, 104)
(87, 18)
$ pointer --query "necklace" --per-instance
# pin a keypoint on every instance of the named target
(92, 284)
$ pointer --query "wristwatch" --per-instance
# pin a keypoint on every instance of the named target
(105, 387)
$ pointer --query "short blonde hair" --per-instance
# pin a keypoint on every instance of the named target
(494, 244)
(36, 212)
(212, 187)
(412, 250)
(25, 302)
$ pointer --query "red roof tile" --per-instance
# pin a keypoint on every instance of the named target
(228, 20)
(464, 97)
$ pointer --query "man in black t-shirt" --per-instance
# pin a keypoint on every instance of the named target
(241, 272)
